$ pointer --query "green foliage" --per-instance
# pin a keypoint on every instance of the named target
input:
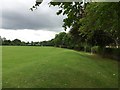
(15, 42)
(95, 24)
(101, 20)
(47, 43)
(67, 40)
(87, 48)
(100, 38)
(71, 10)
(113, 53)
(95, 49)
(59, 39)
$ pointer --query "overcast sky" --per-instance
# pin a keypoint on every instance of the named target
(19, 22)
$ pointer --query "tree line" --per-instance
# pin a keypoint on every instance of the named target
(17, 42)
(93, 26)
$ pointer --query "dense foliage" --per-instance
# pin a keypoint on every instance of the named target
(91, 25)
(96, 24)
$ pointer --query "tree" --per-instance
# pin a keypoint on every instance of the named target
(58, 40)
(0, 40)
(90, 22)
(101, 18)
(16, 42)
(6, 42)
(67, 41)
(73, 10)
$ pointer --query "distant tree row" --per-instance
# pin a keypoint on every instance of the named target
(17, 42)
(14, 42)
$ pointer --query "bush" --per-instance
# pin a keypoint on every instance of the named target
(95, 49)
(87, 48)
(79, 48)
(113, 53)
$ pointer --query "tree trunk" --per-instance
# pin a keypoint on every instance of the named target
(117, 45)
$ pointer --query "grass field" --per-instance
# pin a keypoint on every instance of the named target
(49, 67)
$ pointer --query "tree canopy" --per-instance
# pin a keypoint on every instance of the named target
(92, 23)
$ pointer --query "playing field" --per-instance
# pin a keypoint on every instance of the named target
(49, 67)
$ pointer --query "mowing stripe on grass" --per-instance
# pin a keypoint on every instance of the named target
(50, 67)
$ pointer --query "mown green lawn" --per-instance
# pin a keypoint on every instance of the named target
(49, 67)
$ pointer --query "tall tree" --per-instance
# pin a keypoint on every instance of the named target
(58, 40)
(101, 17)
(93, 19)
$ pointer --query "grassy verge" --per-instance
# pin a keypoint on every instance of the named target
(49, 67)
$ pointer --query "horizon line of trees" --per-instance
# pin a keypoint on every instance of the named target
(17, 42)
(62, 40)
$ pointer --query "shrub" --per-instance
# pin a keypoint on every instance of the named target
(87, 48)
(94, 49)
(113, 53)
(79, 47)
(97, 50)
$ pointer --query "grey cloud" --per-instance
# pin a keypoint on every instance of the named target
(21, 19)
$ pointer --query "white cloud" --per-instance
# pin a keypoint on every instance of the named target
(28, 35)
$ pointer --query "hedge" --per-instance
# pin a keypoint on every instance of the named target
(113, 53)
